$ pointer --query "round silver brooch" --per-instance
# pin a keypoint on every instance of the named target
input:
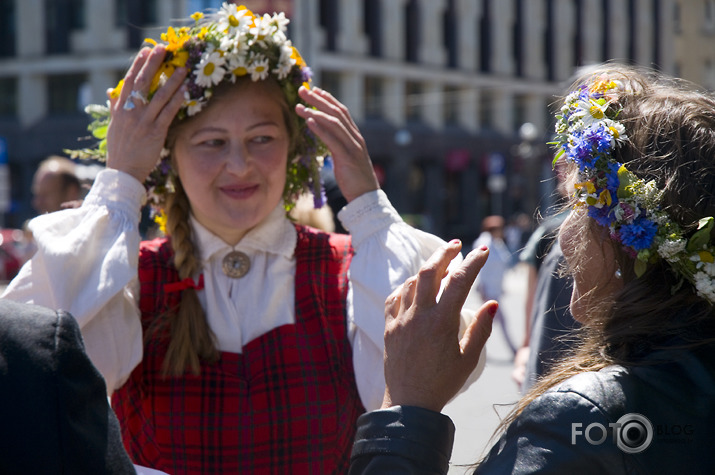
(236, 264)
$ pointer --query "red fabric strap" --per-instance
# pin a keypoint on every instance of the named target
(187, 283)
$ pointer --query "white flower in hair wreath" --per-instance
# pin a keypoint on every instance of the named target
(587, 132)
(230, 44)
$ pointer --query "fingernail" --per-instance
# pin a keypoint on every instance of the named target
(454, 241)
(483, 247)
(493, 309)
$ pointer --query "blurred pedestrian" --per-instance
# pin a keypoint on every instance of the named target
(490, 283)
(55, 185)
(517, 232)
(548, 322)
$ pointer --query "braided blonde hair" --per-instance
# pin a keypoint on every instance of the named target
(191, 340)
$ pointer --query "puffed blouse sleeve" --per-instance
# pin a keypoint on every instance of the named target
(387, 252)
(86, 264)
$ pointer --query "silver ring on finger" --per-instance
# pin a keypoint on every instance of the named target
(140, 96)
(128, 104)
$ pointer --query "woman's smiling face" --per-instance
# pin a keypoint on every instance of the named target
(232, 157)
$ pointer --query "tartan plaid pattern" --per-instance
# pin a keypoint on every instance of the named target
(287, 404)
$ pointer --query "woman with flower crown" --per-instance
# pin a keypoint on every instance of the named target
(638, 395)
(242, 342)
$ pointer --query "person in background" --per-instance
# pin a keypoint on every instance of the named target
(548, 323)
(241, 342)
(517, 232)
(490, 284)
(55, 184)
(638, 395)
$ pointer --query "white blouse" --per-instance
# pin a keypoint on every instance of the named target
(87, 259)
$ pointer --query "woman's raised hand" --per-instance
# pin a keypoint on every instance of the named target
(330, 120)
(425, 361)
(138, 128)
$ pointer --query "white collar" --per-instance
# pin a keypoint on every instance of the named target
(274, 235)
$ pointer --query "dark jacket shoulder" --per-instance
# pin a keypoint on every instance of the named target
(655, 417)
(53, 404)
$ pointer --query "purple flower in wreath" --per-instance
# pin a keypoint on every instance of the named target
(628, 212)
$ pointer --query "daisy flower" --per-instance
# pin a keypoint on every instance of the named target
(238, 66)
(259, 68)
(233, 20)
(210, 70)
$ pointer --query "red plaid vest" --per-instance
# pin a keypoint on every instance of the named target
(287, 404)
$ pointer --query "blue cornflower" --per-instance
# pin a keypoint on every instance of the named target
(612, 177)
(580, 151)
(600, 137)
(639, 234)
(601, 215)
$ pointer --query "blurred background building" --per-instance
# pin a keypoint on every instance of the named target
(452, 96)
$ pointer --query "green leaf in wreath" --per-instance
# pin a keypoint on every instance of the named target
(639, 267)
(701, 237)
(100, 132)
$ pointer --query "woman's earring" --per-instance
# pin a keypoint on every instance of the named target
(618, 273)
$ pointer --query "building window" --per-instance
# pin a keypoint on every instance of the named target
(64, 93)
(450, 34)
(413, 101)
(330, 81)
(632, 23)
(371, 26)
(485, 38)
(7, 28)
(329, 22)
(62, 17)
(412, 31)
(657, 25)
(549, 43)
(521, 102)
(451, 105)
(373, 97)
(578, 40)
(518, 38)
(486, 109)
(8, 95)
(135, 15)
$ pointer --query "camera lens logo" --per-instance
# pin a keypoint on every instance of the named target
(634, 433)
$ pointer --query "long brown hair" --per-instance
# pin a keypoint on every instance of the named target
(671, 128)
(191, 341)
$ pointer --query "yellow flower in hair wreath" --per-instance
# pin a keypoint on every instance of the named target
(221, 47)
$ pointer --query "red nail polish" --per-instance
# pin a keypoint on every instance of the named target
(483, 247)
(493, 309)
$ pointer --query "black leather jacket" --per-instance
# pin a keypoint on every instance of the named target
(573, 427)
